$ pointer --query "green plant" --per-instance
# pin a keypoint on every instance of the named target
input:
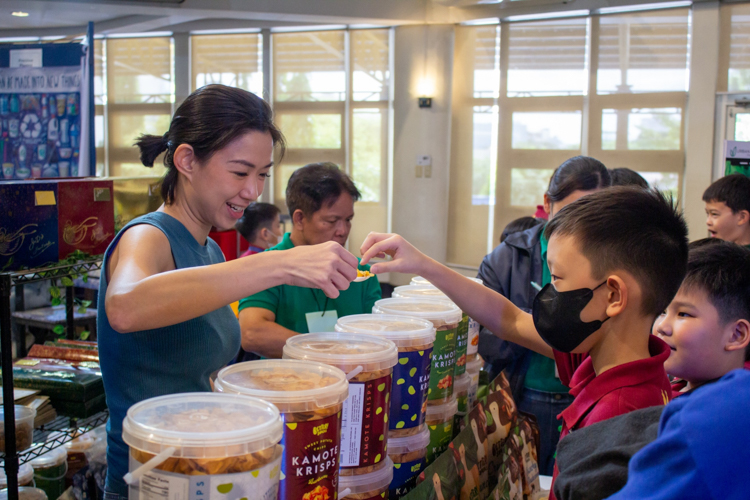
(56, 295)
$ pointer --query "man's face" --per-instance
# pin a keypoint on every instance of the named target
(331, 223)
(724, 224)
(693, 330)
(571, 270)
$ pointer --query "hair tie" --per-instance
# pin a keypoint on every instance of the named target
(165, 139)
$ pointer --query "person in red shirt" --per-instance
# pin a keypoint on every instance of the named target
(707, 324)
(260, 225)
(616, 258)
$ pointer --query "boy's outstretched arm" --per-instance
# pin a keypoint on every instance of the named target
(489, 308)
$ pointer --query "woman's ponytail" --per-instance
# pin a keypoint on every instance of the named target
(151, 147)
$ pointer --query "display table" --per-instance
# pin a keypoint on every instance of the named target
(49, 317)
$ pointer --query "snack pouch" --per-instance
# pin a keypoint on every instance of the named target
(501, 418)
(464, 450)
(524, 437)
(477, 426)
(439, 480)
(510, 481)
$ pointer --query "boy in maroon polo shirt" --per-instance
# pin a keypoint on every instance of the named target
(616, 258)
(707, 325)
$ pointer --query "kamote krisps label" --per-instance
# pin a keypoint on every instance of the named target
(365, 422)
(411, 379)
(462, 341)
(310, 460)
(405, 477)
(443, 364)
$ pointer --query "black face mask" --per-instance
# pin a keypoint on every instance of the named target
(557, 317)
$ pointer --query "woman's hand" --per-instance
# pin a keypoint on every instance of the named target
(327, 266)
(406, 258)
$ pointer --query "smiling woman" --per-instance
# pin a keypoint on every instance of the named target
(165, 323)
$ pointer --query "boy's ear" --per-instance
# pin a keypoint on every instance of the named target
(743, 217)
(740, 336)
(618, 295)
(547, 204)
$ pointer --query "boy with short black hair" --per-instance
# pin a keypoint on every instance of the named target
(617, 257)
(707, 325)
(728, 209)
(260, 225)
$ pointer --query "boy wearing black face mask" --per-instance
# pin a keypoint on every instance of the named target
(617, 257)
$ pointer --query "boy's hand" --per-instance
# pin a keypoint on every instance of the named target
(406, 258)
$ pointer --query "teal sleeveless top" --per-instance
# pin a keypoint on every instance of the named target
(173, 359)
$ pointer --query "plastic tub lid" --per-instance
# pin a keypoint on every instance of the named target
(475, 365)
(363, 483)
(461, 383)
(419, 291)
(433, 309)
(408, 444)
(441, 412)
(25, 475)
(58, 456)
(346, 351)
(418, 280)
(404, 331)
(289, 384)
(26, 493)
(81, 443)
(202, 425)
(21, 412)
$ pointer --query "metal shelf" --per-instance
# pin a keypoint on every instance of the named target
(47, 273)
(58, 432)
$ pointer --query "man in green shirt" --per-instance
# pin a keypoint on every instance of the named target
(320, 198)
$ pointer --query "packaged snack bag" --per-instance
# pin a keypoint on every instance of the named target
(510, 481)
(464, 449)
(524, 436)
(438, 481)
(478, 427)
(501, 417)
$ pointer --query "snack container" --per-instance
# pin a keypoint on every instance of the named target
(462, 334)
(372, 486)
(49, 472)
(414, 339)
(25, 493)
(24, 427)
(408, 456)
(218, 442)
(440, 423)
(472, 369)
(368, 362)
(445, 317)
(310, 397)
(25, 476)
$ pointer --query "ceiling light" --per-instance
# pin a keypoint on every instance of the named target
(19, 13)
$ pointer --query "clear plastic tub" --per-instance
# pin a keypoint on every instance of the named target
(408, 456)
(310, 397)
(368, 361)
(472, 326)
(445, 317)
(24, 427)
(472, 369)
(211, 441)
(462, 334)
(414, 339)
(50, 470)
(372, 486)
(25, 476)
(440, 423)
(25, 493)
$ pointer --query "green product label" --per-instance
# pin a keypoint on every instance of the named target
(440, 437)
(443, 365)
(462, 344)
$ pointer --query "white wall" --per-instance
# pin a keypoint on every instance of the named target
(420, 205)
